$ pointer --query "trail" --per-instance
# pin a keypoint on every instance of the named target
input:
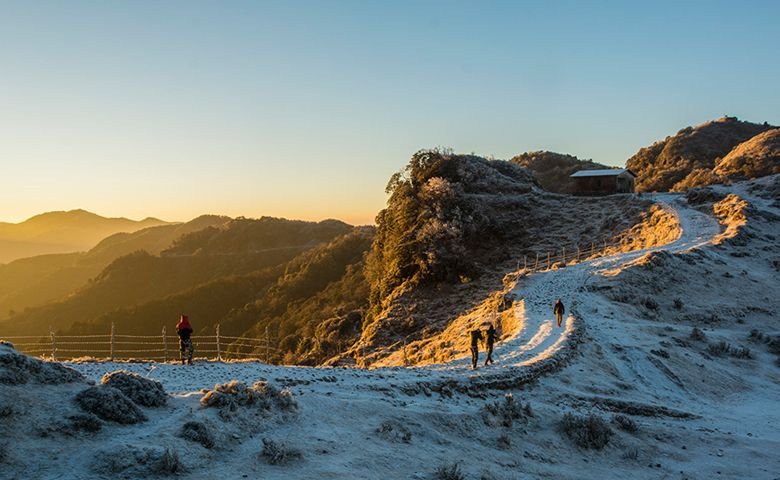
(539, 337)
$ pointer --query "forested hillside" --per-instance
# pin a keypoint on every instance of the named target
(35, 281)
(140, 277)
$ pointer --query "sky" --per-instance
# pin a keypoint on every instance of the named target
(304, 109)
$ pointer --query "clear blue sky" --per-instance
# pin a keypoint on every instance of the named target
(304, 109)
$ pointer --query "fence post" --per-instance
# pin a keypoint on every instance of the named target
(604, 253)
(406, 361)
(219, 353)
(53, 344)
(112, 341)
(536, 265)
(548, 260)
(563, 257)
(267, 341)
(578, 254)
(525, 262)
(165, 345)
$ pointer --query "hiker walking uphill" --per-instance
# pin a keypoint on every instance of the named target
(558, 310)
(476, 336)
(490, 338)
(184, 329)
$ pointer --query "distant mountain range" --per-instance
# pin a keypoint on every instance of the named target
(62, 232)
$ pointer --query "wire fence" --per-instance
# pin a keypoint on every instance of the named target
(563, 257)
(161, 348)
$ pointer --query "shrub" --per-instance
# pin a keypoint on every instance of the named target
(631, 454)
(17, 369)
(505, 412)
(742, 352)
(449, 472)
(719, 349)
(133, 462)
(199, 433)
(142, 391)
(278, 453)
(168, 463)
(587, 432)
(394, 431)
(234, 394)
(698, 335)
(110, 404)
(85, 422)
(625, 423)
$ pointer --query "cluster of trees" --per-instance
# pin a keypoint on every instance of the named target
(433, 218)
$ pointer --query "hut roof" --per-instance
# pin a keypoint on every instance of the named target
(611, 172)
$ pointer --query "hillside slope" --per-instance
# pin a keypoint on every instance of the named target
(757, 157)
(688, 158)
(62, 232)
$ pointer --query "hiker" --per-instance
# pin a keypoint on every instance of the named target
(490, 338)
(476, 336)
(184, 329)
(558, 310)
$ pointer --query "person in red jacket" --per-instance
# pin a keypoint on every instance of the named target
(184, 329)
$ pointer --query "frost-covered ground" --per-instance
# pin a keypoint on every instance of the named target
(700, 410)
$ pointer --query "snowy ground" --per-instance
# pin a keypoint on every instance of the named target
(720, 415)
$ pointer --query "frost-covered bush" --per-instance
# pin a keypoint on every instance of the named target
(719, 349)
(698, 335)
(587, 432)
(449, 472)
(85, 422)
(198, 432)
(17, 369)
(625, 423)
(167, 463)
(110, 404)
(279, 453)
(505, 412)
(143, 391)
(504, 442)
(394, 431)
(134, 462)
(234, 394)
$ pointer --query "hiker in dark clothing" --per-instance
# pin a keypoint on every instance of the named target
(476, 336)
(184, 329)
(558, 310)
(490, 338)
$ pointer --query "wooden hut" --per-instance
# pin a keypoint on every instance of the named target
(603, 182)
